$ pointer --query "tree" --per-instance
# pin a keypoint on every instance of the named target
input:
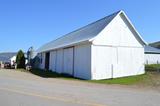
(20, 59)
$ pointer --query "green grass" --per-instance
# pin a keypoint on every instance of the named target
(50, 74)
(123, 81)
(152, 67)
(149, 78)
(22, 70)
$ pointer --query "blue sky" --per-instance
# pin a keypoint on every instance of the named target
(25, 23)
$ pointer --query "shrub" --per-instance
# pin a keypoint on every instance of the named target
(152, 67)
(20, 59)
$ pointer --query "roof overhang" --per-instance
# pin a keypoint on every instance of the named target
(66, 46)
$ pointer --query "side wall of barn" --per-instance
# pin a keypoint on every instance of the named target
(74, 60)
(151, 58)
(114, 62)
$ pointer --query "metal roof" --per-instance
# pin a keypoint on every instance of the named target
(83, 34)
(155, 44)
(152, 50)
(86, 33)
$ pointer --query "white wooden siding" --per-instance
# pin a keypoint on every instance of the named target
(117, 33)
(53, 58)
(152, 58)
(82, 61)
(59, 61)
(130, 62)
(68, 61)
(103, 59)
(113, 62)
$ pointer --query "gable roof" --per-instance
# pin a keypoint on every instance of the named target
(151, 50)
(84, 34)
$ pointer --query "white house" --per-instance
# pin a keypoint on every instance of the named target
(13, 60)
(108, 48)
(152, 55)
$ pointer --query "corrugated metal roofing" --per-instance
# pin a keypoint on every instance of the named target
(149, 49)
(83, 34)
(155, 44)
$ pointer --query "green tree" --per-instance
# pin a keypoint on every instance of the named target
(20, 59)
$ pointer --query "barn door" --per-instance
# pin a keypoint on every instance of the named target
(47, 58)
(68, 61)
(52, 62)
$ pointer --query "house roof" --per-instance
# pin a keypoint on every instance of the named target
(151, 50)
(155, 44)
(5, 57)
(86, 33)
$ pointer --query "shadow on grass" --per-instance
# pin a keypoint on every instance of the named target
(144, 79)
(51, 74)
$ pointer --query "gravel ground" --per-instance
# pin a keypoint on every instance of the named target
(25, 89)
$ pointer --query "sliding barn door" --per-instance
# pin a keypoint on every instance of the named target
(68, 61)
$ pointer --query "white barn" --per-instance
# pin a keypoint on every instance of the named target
(108, 48)
(152, 55)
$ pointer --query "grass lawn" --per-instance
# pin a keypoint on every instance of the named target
(125, 80)
(151, 77)
(50, 74)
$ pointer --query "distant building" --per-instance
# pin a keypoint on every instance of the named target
(9, 57)
(13, 60)
(152, 55)
(6, 57)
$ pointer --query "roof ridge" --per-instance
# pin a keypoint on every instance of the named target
(86, 26)
(84, 33)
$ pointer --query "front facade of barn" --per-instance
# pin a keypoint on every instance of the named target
(107, 48)
(152, 55)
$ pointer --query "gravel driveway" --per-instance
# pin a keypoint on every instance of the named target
(24, 89)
